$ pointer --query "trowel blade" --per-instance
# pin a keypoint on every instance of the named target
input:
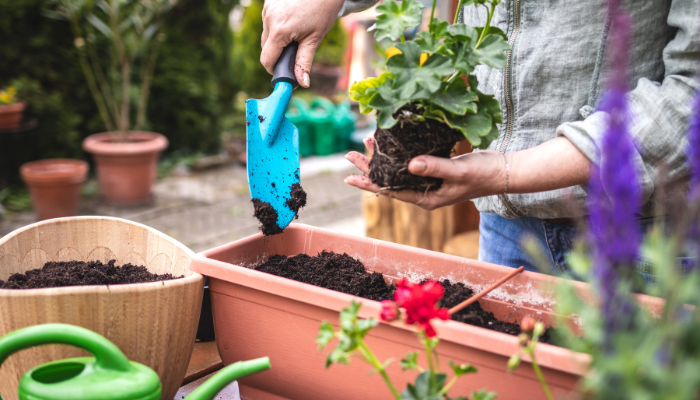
(272, 168)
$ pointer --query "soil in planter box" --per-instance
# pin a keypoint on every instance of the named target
(81, 273)
(343, 273)
(331, 271)
(396, 147)
(267, 215)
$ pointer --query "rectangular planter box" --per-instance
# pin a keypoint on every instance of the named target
(258, 314)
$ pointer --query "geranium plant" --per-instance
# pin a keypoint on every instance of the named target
(427, 93)
(416, 304)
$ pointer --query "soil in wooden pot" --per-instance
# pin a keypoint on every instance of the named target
(267, 215)
(395, 147)
(81, 273)
(343, 273)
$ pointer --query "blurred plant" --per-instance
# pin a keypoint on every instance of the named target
(419, 303)
(332, 47)
(8, 96)
(133, 30)
(15, 199)
(528, 339)
(613, 191)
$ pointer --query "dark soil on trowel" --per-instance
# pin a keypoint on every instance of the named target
(396, 147)
(345, 274)
(267, 215)
(81, 273)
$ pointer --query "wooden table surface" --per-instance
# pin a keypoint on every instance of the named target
(205, 360)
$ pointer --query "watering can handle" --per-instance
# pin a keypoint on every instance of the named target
(209, 389)
(107, 355)
(284, 68)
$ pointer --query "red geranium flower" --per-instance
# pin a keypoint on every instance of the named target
(390, 311)
(420, 303)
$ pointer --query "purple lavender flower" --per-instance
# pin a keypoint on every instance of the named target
(694, 149)
(614, 193)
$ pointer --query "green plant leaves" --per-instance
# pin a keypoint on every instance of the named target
(484, 395)
(411, 77)
(352, 331)
(462, 369)
(395, 17)
(455, 97)
(325, 335)
(365, 90)
(424, 389)
(410, 361)
(491, 51)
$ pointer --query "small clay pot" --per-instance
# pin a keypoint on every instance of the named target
(54, 185)
(11, 114)
(126, 170)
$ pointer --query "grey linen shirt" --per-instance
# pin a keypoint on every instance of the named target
(556, 75)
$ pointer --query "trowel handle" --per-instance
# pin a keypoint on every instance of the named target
(107, 355)
(284, 69)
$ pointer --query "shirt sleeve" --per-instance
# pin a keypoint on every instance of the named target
(353, 6)
(659, 111)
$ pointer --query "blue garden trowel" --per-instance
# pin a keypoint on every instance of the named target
(273, 150)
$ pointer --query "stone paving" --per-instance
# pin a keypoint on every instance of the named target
(206, 209)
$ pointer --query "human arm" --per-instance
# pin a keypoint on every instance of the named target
(658, 111)
(554, 164)
(304, 21)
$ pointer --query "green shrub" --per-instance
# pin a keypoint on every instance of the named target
(332, 48)
(192, 89)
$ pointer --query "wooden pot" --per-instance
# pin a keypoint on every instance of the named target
(152, 323)
(126, 171)
(258, 314)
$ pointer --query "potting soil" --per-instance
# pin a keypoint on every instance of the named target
(397, 146)
(81, 273)
(267, 215)
(343, 273)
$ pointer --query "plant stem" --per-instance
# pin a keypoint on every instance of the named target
(85, 66)
(102, 80)
(485, 31)
(429, 355)
(372, 359)
(432, 12)
(459, 7)
(146, 85)
(449, 385)
(536, 367)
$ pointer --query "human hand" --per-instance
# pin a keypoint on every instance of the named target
(465, 177)
(304, 21)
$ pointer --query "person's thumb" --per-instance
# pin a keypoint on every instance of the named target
(305, 56)
(436, 167)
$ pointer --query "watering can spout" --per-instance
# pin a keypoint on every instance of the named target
(238, 370)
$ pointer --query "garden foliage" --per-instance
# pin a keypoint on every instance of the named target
(192, 86)
(426, 72)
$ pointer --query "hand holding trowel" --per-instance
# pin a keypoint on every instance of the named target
(273, 151)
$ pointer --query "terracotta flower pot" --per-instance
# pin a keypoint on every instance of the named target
(54, 185)
(257, 314)
(126, 171)
(152, 323)
(11, 114)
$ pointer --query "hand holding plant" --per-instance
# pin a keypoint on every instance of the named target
(418, 306)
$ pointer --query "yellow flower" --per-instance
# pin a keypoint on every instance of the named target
(392, 51)
(8, 96)
(423, 57)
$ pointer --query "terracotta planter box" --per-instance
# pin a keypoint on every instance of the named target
(257, 314)
(153, 323)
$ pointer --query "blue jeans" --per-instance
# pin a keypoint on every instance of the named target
(501, 243)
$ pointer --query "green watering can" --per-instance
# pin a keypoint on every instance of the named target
(107, 376)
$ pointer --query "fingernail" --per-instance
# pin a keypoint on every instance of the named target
(417, 166)
(305, 80)
(347, 180)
